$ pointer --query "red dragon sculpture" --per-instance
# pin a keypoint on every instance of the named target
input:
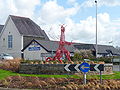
(61, 49)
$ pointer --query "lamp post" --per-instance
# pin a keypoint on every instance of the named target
(96, 29)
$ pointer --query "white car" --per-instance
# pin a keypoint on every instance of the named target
(6, 56)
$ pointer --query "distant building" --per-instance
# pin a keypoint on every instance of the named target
(103, 50)
(40, 49)
(22, 35)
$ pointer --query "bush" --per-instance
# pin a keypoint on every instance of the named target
(12, 65)
(82, 54)
(59, 83)
(104, 59)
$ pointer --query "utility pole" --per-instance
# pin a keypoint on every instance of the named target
(96, 30)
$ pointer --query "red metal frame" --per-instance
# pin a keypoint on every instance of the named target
(61, 49)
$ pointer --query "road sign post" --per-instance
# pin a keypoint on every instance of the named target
(100, 77)
(84, 67)
(99, 68)
(84, 77)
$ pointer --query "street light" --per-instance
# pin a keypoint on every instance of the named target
(96, 29)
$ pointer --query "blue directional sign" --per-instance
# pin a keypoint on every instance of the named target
(84, 67)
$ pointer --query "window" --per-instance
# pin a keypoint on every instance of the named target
(10, 41)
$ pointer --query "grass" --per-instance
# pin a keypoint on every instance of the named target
(115, 75)
(4, 74)
(51, 76)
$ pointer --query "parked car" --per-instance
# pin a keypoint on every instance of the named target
(6, 56)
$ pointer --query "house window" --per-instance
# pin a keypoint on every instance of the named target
(10, 41)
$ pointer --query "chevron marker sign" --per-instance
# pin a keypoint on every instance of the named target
(97, 67)
(84, 67)
(72, 67)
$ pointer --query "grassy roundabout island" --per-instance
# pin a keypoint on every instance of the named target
(10, 78)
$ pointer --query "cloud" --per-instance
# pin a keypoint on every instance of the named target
(52, 15)
(52, 12)
(111, 3)
(26, 7)
(104, 18)
(71, 1)
(106, 28)
(17, 7)
(85, 30)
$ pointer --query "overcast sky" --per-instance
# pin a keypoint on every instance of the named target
(78, 15)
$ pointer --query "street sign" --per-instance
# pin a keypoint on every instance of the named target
(71, 67)
(84, 67)
(97, 67)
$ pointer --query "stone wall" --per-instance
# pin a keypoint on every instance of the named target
(56, 69)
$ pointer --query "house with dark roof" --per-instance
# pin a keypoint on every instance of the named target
(17, 32)
(103, 50)
(40, 49)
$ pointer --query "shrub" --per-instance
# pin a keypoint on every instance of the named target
(12, 65)
(59, 83)
(82, 54)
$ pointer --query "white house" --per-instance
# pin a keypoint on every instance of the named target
(17, 32)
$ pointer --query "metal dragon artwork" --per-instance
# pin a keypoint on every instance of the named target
(61, 49)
